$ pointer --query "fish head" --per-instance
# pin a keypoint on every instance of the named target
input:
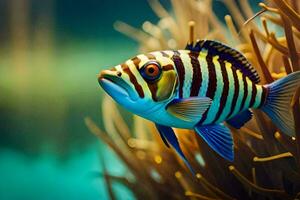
(142, 84)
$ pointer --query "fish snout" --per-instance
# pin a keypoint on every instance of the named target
(109, 74)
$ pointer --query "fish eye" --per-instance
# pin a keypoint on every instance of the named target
(151, 71)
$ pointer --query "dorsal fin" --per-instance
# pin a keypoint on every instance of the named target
(229, 54)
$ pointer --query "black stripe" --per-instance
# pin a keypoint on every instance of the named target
(236, 91)
(245, 93)
(263, 96)
(225, 91)
(150, 56)
(197, 76)
(212, 83)
(164, 54)
(153, 89)
(136, 61)
(133, 80)
(167, 67)
(253, 95)
(180, 71)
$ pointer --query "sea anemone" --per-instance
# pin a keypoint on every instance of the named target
(267, 162)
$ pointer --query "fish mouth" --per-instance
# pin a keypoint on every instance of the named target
(115, 86)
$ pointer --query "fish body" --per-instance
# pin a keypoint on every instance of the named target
(204, 75)
(198, 88)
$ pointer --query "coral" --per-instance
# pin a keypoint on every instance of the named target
(267, 162)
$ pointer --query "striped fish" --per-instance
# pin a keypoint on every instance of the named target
(199, 88)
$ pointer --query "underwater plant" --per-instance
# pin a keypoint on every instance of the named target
(266, 164)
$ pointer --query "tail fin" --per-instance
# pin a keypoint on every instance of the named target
(277, 105)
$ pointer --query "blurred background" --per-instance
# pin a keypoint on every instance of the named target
(50, 54)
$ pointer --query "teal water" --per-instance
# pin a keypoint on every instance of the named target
(47, 151)
(46, 177)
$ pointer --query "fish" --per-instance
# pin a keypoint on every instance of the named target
(199, 88)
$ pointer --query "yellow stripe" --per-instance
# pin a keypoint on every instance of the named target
(258, 96)
(125, 76)
(161, 59)
(204, 73)
(188, 73)
(249, 83)
(119, 68)
(213, 110)
(138, 76)
(143, 59)
(170, 53)
(230, 95)
(241, 93)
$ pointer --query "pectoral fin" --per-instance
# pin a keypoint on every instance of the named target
(168, 136)
(219, 138)
(189, 109)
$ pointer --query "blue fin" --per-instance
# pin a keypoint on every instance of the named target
(189, 109)
(277, 103)
(219, 138)
(237, 59)
(240, 119)
(162, 137)
(168, 134)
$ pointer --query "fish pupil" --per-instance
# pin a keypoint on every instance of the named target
(151, 70)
